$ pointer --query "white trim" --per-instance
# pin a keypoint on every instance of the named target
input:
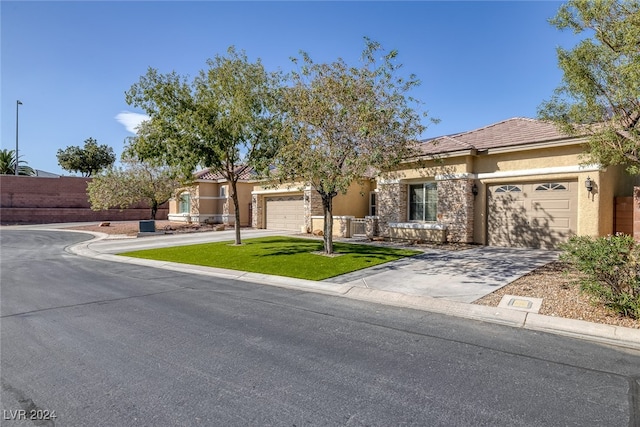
(281, 191)
(540, 171)
(334, 217)
(561, 142)
(418, 225)
(383, 181)
(452, 176)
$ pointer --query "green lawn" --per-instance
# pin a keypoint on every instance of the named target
(281, 256)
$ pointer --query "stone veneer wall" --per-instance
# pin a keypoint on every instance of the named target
(455, 209)
(391, 205)
(256, 211)
(312, 207)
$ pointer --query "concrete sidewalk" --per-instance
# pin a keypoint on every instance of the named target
(438, 281)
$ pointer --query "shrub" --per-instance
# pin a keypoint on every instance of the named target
(611, 266)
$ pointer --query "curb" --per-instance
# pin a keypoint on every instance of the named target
(600, 333)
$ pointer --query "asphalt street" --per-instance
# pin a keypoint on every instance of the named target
(113, 344)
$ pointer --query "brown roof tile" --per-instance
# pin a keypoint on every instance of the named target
(246, 173)
(507, 133)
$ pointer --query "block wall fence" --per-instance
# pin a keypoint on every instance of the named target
(42, 200)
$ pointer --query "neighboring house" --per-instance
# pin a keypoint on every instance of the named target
(209, 199)
(515, 183)
(299, 208)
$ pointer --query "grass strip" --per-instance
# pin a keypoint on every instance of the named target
(278, 255)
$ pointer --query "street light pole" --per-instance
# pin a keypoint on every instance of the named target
(18, 103)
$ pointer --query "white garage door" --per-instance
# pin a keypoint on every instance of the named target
(535, 215)
(285, 212)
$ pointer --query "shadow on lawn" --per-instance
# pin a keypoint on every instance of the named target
(283, 246)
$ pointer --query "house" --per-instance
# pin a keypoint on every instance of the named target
(516, 183)
(298, 207)
(208, 199)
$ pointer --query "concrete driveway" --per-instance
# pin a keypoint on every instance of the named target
(462, 276)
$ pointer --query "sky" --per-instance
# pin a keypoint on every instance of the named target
(70, 63)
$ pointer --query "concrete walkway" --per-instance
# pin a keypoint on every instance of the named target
(463, 276)
(439, 281)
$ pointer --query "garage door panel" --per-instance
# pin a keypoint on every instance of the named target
(553, 204)
(540, 214)
(284, 212)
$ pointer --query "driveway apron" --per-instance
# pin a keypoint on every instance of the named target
(463, 276)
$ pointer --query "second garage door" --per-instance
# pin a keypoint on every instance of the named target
(536, 215)
(284, 212)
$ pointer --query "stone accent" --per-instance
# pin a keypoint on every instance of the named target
(455, 209)
(391, 205)
(257, 203)
(312, 207)
(371, 226)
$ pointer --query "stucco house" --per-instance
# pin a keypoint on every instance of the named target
(515, 183)
(208, 199)
(298, 207)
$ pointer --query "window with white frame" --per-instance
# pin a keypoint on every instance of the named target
(423, 201)
(184, 203)
(223, 191)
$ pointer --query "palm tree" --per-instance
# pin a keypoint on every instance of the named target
(8, 164)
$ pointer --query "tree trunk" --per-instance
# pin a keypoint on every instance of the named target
(236, 207)
(154, 209)
(327, 207)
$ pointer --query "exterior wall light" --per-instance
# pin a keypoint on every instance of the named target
(588, 183)
(474, 189)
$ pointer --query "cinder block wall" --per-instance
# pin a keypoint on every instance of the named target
(41, 200)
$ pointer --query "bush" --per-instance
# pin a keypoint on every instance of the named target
(611, 266)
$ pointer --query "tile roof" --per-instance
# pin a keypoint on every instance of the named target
(507, 133)
(246, 173)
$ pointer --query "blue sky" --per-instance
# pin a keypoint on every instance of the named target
(71, 62)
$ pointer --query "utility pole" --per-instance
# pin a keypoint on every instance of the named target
(18, 103)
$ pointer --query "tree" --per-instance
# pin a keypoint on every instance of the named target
(8, 164)
(136, 182)
(88, 160)
(340, 122)
(600, 92)
(221, 120)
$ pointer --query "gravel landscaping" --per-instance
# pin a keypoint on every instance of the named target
(554, 282)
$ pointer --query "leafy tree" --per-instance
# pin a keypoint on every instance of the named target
(221, 120)
(136, 182)
(8, 164)
(88, 160)
(600, 91)
(340, 122)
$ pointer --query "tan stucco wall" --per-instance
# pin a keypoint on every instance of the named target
(529, 159)
(430, 168)
(244, 200)
(355, 202)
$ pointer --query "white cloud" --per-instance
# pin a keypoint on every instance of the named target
(130, 120)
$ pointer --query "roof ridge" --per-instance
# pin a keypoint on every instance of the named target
(495, 124)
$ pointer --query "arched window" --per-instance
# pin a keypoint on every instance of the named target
(551, 186)
(508, 189)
